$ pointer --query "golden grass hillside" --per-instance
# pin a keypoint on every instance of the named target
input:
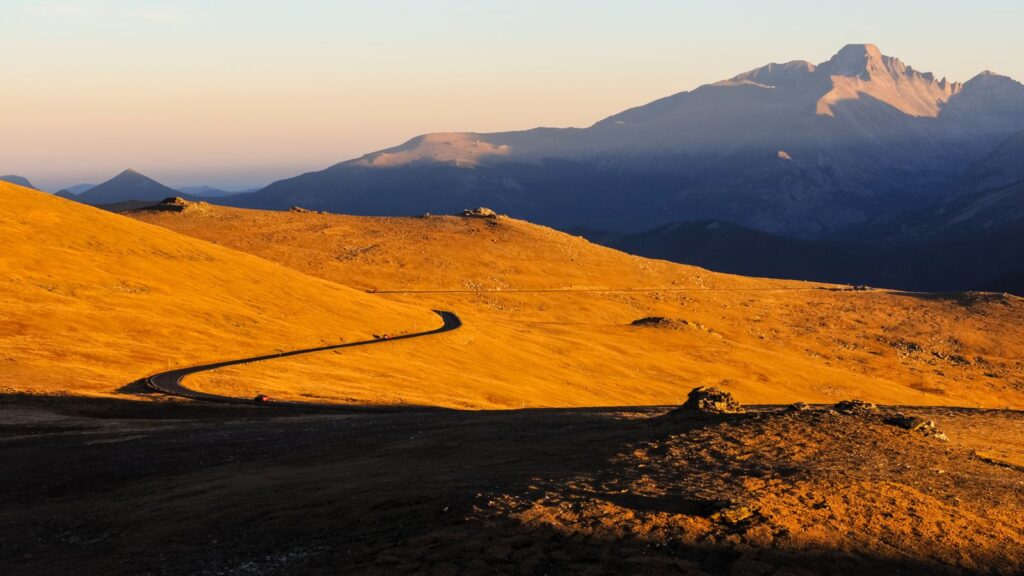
(90, 301)
(540, 332)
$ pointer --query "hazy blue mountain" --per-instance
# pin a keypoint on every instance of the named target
(80, 188)
(205, 191)
(127, 186)
(727, 247)
(973, 241)
(19, 180)
(797, 149)
(956, 245)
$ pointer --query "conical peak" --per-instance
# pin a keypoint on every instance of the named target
(857, 60)
(868, 51)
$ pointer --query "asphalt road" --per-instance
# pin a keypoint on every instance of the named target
(170, 382)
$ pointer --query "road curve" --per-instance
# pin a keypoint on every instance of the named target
(170, 382)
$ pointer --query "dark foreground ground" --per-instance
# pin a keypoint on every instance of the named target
(105, 487)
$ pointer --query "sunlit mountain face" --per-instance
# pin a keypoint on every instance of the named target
(795, 148)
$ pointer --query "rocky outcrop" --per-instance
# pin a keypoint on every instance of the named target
(301, 210)
(178, 204)
(657, 321)
(710, 400)
(480, 212)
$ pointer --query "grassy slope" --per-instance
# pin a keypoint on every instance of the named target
(756, 337)
(90, 301)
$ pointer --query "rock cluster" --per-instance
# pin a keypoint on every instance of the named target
(732, 515)
(854, 407)
(480, 213)
(710, 400)
(177, 204)
(919, 425)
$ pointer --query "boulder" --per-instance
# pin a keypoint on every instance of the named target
(854, 407)
(710, 400)
(654, 321)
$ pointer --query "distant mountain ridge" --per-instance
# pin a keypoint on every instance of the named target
(79, 188)
(205, 191)
(794, 148)
(973, 241)
(726, 247)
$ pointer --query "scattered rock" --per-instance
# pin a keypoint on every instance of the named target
(854, 407)
(710, 400)
(301, 210)
(654, 321)
(672, 324)
(919, 425)
(952, 358)
(798, 407)
(480, 213)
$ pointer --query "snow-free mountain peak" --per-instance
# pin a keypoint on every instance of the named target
(858, 60)
(862, 134)
(861, 71)
(126, 186)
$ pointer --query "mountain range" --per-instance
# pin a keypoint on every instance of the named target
(799, 149)
(858, 169)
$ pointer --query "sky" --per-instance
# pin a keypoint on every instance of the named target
(238, 93)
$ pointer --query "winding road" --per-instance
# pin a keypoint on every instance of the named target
(170, 382)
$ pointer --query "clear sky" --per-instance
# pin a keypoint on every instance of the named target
(237, 93)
